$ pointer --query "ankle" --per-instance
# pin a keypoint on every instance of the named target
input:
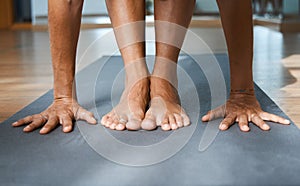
(165, 69)
(162, 88)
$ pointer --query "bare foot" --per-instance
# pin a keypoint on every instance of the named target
(165, 109)
(130, 111)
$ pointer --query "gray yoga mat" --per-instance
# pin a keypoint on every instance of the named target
(77, 158)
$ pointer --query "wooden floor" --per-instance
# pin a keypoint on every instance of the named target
(26, 74)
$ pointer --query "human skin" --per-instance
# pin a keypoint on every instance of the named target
(242, 106)
(165, 109)
(64, 26)
(127, 18)
(172, 19)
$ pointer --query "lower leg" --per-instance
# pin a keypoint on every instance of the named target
(128, 22)
(172, 18)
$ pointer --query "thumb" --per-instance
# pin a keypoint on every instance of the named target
(85, 115)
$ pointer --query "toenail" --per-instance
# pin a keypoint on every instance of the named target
(174, 126)
(266, 127)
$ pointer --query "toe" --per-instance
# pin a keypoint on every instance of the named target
(108, 122)
(113, 122)
(107, 119)
(120, 127)
(133, 124)
(148, 124)
(104, 119)
(121, 123)
(113, 126)
(179, 120)
(172, 122)
(165, 124)
(186, 120)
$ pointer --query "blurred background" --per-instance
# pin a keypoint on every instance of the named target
(279, 14)
(25, 60)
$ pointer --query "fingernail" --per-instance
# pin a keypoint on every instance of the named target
(223, 126)
(287, 121)
(245, 128)
(26, 129)
(94, 121)
(14, 123)
(43, 130)
(66, 129)
(266, 127)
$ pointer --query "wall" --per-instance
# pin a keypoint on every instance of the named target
(92, 7)
(40, 7)
(291, 7)
(209, 6)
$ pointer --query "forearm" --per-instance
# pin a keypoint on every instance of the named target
(236, 16)
(64, 26)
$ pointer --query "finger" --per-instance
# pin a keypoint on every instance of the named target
(243, 122)
(85, 115)
(259, 122)
(23, 121)
(50, 125)
(227, 122)
(214, 114)
(274, 118)
(36, 123)
(67, 124)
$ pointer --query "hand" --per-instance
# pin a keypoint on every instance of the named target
(243, 108)
(63, 111)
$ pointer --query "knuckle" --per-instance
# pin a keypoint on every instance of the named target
(32, 125)
(243, 122)
(47, 127)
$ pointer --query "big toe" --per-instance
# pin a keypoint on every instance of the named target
(148, 124)
(133, 124)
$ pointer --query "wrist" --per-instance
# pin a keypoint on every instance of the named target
(246, 91)
(64, 100)
(64, 92)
